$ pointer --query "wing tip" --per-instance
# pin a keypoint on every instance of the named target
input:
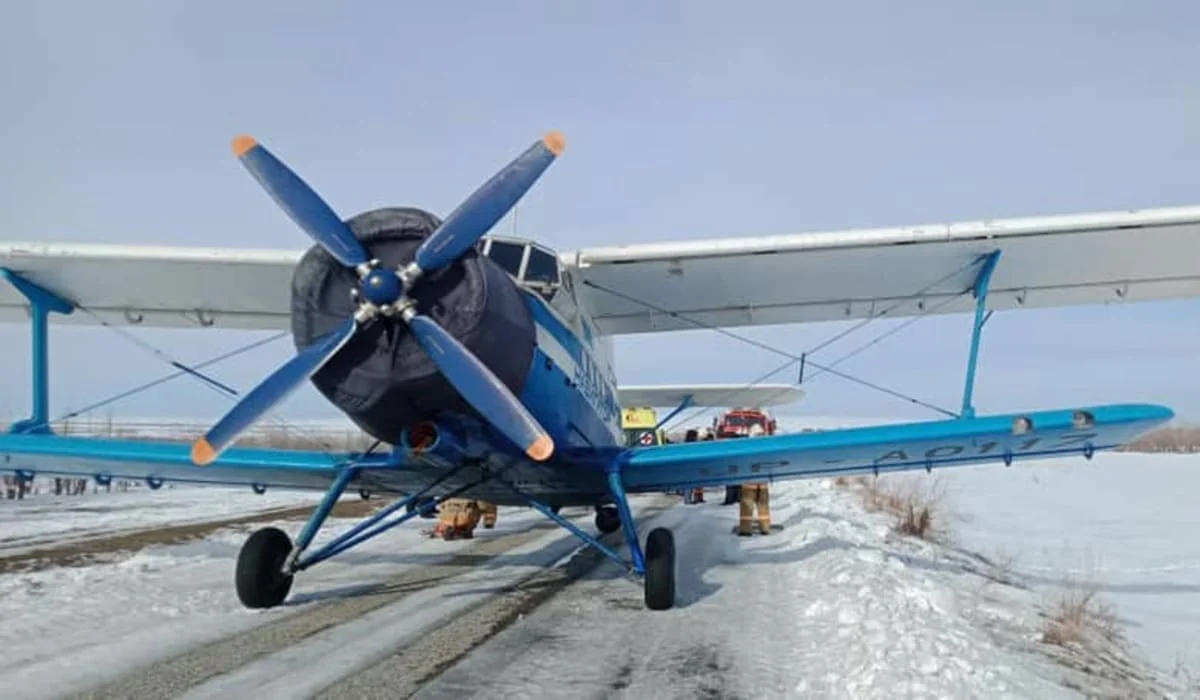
(203, 452)
(243, 143)
(540, 449)
(555, 142)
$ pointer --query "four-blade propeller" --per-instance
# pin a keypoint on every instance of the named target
(384, 292)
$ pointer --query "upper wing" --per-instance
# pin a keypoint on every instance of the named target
(1061, 260)
(887, 448)
(709, 395)
(1080, 259)
(156, 285)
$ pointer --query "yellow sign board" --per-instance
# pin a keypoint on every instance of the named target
(638, 418)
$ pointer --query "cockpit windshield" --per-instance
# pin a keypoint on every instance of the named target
(508, 256)
(528, 263)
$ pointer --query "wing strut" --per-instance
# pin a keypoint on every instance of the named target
(686, 403)
(42, 303)
(982, 283)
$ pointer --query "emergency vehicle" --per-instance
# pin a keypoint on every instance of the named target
(639, 425)
(737, 423)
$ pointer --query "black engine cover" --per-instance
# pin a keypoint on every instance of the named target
(383, 379)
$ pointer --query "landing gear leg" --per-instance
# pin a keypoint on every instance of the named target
(657, 564)
(269, 561)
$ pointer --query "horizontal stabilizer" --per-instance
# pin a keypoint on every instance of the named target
(709, 395)
(889, 448)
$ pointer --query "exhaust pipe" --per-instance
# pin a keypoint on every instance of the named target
(432, 439)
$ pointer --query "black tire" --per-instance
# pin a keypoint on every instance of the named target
(608, 520)
(364, 494)
(660, 569)
(259, 578)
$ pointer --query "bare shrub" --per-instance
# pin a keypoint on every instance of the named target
(914, 504)
(1172, 439)
(1079, 613)
(1188, 681)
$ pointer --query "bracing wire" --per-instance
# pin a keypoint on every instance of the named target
(803, 357)
(185, 370)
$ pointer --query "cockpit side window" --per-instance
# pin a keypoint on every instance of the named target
(507, 256)
(542, 267)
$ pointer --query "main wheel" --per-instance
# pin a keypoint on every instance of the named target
(660, 569)
(608, 520)
(260, 580)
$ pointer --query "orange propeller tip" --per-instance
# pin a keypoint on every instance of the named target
(555, 141)
(243, 143)
(203, 452)
(540, 449)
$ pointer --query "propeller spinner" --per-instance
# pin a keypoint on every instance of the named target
(384, 292)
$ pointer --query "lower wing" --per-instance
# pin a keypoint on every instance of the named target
(889, 448)
(53, 455)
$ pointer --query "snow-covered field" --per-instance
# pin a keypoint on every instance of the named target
(1128, 523)
(834, 602)
(835, 605)
(46, 518)
(67, 628)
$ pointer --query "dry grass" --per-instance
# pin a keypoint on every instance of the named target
(914, 503)
(1174, 439)
(1077, 614)
(1188, 681)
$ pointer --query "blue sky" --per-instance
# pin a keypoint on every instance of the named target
(684, 120)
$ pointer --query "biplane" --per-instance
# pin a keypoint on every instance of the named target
(485, 366)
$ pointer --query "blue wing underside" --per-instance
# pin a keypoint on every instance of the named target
(578, 476)
(889, 448)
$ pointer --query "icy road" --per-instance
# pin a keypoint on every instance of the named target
(834, 605)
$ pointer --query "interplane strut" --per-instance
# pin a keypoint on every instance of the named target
(42, 303)
(982, 282)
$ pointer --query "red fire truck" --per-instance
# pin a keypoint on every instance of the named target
(738, 422)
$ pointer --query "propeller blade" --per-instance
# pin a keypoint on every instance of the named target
(487, 205)
(270, 392)
(481, 388)
(300, 202)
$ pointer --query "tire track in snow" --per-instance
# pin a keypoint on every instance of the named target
(402, 674)
(86, 549)
(432, 614)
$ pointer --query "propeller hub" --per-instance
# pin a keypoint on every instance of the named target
(382, 287)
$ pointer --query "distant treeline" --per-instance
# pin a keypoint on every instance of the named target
(1179, 439)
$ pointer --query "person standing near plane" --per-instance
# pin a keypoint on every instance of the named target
(755, 496)
(488, 510)
(695, 495)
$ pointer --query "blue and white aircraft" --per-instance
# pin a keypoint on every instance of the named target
(486, 363)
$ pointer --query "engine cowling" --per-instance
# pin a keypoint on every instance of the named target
(382, 379)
